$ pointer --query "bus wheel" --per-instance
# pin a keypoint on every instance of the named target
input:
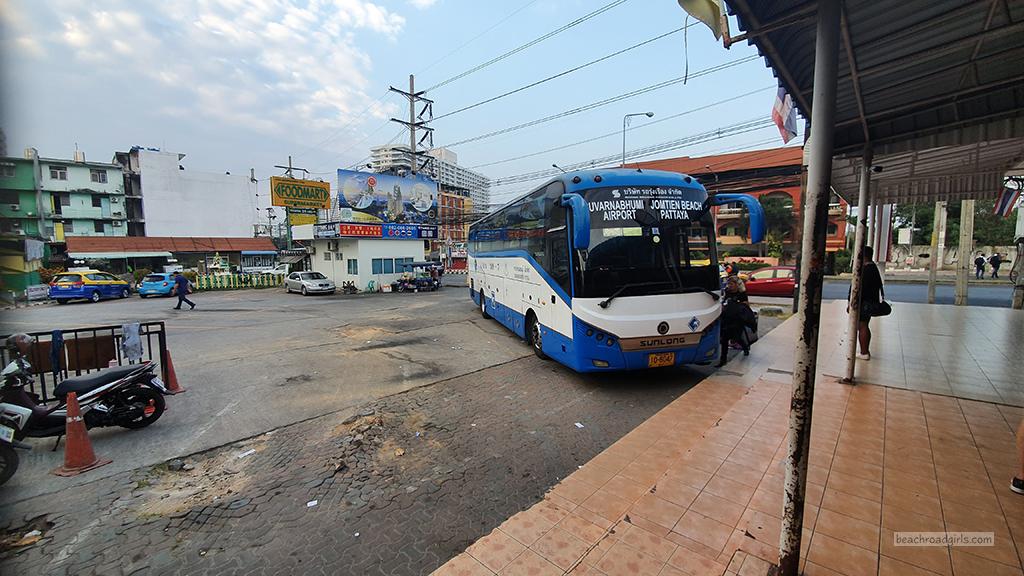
(483, 306)
(534, 337)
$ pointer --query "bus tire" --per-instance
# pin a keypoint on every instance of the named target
(483, 306)
(533, 335)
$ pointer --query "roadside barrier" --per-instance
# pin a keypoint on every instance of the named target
(78, 453)
(206, 282)
(85, 350)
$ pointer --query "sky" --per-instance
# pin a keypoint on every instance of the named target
(240, 84)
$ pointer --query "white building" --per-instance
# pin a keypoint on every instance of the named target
(444, 168)
(359, 260)
(173, 201)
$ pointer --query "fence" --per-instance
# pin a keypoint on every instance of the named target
(237, 281)
(86, 350)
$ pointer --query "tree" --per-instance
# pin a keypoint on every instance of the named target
(989, 229)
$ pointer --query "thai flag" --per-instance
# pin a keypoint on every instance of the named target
(784, 115)
(1006, 201)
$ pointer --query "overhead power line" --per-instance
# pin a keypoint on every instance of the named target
(731, 130)
(563, 73)
(607, 101)
(533, 42)
(478, 36)
(631, 128)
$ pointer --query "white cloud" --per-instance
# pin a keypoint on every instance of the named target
(265, 66)
(423, 4)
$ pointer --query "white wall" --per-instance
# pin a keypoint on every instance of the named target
(363, 251)
(189, 203)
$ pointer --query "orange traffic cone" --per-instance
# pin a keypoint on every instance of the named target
(78, 454)
(172, 378)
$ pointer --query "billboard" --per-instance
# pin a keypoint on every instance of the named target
(384, 231)
(292, 193)
(300, 216)
(368, 198)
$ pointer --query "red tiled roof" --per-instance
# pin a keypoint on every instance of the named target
(775, 157)
(165, 244)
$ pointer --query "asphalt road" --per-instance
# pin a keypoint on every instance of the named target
(256, 360)
(994, 295)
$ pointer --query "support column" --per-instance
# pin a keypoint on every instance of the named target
(872, 218)
(815, 223)
(964, 264)
(855, 282)
(938, 247)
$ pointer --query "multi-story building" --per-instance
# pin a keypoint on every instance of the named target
(165, 199)
(82, 198)
(21, 206)
(766, 174)
(444, 168)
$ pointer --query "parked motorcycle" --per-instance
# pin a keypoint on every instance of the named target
(127, 396)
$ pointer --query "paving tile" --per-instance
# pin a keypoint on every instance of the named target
(913, 502)
(860, 487)
(705, 530)
(584, 530)
(496, 550)
(648, 543)
(690, 476)
(965, 563)
(463, 565)
(560, 548)
(529, 563)
(931, 558)
(1003, 549)
(594, 474)
(901, 520)
(849, 530)
(860, 508)
(842, 557)
(574, 489)
(628, 561)
(526, 526)
(657, 510)
(694, 564)
(606, 505)
(892, 567)
(676, 491)
(720, 509)
(550, 511)
(729, 489)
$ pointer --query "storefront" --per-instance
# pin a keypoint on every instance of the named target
(362, 254)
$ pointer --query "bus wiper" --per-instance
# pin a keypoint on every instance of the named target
(695, 289)
(624, 287)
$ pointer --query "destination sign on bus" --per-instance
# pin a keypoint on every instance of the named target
(626, 204)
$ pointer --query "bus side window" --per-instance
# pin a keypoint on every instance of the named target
(558, 249)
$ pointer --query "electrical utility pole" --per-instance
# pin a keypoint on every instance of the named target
(416, 122)
(288, 170)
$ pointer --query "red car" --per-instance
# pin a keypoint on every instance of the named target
(774, 281)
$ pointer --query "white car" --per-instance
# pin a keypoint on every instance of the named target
(308, 283)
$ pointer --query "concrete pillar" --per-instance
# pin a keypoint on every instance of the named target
(964, 264)
(812, 274)
(855, 282)
(938, 247)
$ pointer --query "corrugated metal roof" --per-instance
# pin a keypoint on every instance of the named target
(922, 66)
(165, 244)
(935, 77)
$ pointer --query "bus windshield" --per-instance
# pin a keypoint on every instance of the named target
(658, 242)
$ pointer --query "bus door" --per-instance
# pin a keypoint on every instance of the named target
(559, 267)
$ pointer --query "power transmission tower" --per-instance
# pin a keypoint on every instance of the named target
(417, 122)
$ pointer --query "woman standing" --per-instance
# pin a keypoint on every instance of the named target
(871, 295)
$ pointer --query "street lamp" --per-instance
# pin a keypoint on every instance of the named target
(625, 122)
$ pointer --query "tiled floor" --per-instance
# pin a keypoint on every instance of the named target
(697, 489)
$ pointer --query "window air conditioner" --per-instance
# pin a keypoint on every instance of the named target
(117, 223)
(15, 207)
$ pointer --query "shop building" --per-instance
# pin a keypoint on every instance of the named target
(205, 255)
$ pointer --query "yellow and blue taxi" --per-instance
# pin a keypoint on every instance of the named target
(91, 285)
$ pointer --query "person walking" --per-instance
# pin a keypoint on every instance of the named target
(979, 266)
(736, 316)
(872, 292)
(181, 288)
(995, 260)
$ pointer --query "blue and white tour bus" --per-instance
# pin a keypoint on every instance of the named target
(607, 269)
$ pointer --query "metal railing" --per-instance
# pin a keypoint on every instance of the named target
(86, 350)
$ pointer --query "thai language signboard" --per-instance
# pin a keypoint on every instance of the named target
(292, 193)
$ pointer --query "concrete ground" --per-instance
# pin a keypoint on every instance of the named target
(450, 441)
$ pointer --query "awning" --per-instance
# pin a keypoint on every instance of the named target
(291, 258)
(254, 252)
(117, 255)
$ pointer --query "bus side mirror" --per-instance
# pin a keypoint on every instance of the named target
(580, 220)
(754, 208)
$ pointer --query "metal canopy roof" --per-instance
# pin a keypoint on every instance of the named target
(922, 82)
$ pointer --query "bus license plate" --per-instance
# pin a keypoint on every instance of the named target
(6, 434)
(661, 359)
